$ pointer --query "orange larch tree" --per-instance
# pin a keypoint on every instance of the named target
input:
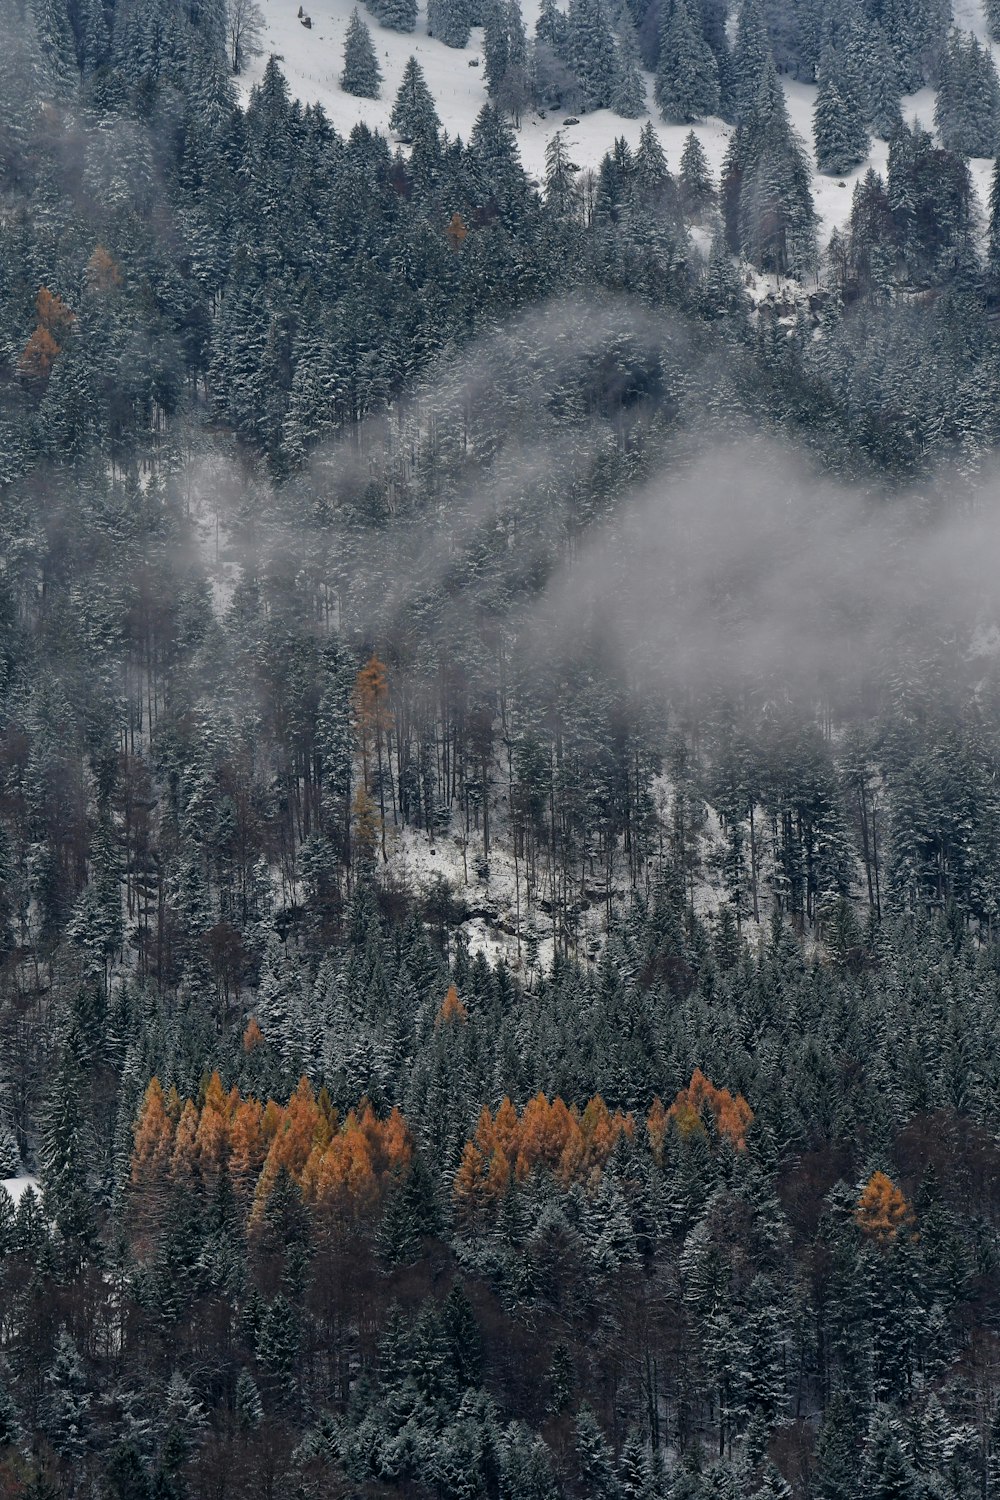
(731, 1115)
(882, 1210)
(452, 1010)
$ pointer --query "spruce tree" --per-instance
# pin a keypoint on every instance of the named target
(650, 172)
(449, 21)
(629, 98)
(395, 15)
(993, 234)
(552, 78)
(767, 194)
(247, 1403)
(561, 192)
(884, 109)
(362, 75)
(839, 133)
(750, 58)
(413, 114)
(67, 1401)
(687, 79)
(697, 186)
(967, 109)
(591, 52)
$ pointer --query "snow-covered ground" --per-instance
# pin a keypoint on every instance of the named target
(17, 1186)
(312, 60)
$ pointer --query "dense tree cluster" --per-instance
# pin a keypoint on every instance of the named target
(689, 1189)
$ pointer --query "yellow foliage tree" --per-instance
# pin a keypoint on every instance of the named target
(452, 1010)
(882, 1210)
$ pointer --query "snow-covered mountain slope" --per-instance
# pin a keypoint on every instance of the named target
(312, 59)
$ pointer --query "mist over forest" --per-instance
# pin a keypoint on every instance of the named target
(500, 752)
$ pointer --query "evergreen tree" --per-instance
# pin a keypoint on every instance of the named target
(552, 78)
(750, 59)
(449, 21)
(697, 187)
(594, 1457)
(395, 15)
(560, 176)
(967, 108)
(591, 53)
(413, 114)
(840, 137)
(687, 79)
(629, 98)
(362, 75)
(67, 1401)
(993, 233)
(884, 109)
(767, 196)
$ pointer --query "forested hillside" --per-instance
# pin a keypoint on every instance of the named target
(499, 748)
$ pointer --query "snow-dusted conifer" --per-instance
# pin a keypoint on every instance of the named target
(967, 111)
(413, 113)
(396, 15)
(629, 97)
(449, 21)
(362, 75)
(687, 79)
(560, 176)
(697, 187)
(839, 132)
(592, 52)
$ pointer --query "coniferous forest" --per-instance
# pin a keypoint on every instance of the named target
(499, 766)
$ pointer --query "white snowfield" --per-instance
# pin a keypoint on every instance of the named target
(312, 60)
(17, 1186)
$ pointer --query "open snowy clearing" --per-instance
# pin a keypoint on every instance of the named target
(16, 1187)
(312, 60)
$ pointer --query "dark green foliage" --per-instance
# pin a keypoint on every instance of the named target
(590, 52)
(413, 115)
(307, 407)
(840, 138)
(766, 192)
(396, 15)
(362, 75)
(449, 21)
(687, 80)
(967, 108)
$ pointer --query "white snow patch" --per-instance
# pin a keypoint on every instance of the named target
(17, 1186)
(312, 61)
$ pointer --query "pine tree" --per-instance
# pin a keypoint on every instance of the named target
(993, 234)
(687, 79)
(362, 75)
(840, 137)
(629, 98)
(395, 15)
(967, 109)
(697, 187)
(561, 192)
(750, 60)
(67, 1401)
(884, 108)
(449, 21)
(591, 52)
(413, 115)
